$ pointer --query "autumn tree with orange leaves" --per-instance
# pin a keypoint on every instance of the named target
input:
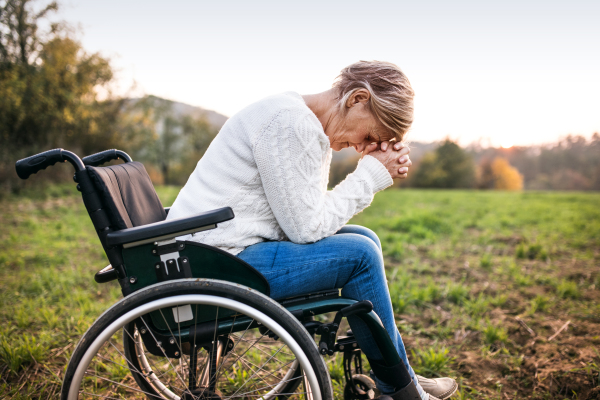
(498, 174)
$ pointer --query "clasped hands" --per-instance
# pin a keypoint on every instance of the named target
(393, 155)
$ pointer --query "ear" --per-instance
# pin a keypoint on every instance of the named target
(359, 96)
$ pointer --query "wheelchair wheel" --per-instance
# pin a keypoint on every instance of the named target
(251, 348)
(140, 360)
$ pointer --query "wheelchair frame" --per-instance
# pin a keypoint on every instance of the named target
(133, 251)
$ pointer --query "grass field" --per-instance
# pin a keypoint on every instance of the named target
(498, 290)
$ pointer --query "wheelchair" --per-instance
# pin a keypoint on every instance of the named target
(196, 322)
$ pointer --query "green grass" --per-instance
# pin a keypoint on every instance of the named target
(567, 289)
(457, 293)
(462, 265)
(48, 296)
(540, 303)
(495, 256)
(493, 334)
(432, 362)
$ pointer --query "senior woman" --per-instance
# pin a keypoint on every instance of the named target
(270, 163)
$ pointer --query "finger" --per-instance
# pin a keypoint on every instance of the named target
(406, 164)
(369, 148)
(404, 159)
(403, 170)
(402, 176)
(384, 145)
(398, 146)
(404, 151)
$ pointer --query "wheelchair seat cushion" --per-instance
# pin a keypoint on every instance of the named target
(127, 195)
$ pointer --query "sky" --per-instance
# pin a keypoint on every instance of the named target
(502, 73)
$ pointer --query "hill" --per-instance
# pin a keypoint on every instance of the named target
(179, 109)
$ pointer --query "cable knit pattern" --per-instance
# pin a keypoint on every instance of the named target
(270, 163)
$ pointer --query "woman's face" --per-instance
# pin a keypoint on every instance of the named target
(358, 128)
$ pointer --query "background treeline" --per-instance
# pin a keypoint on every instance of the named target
(50, 97)
(572, 163)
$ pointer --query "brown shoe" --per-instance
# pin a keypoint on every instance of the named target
(410, 392)
(441, 388)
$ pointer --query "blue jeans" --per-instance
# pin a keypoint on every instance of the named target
(352, 260)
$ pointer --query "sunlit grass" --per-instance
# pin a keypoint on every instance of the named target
(431, 362)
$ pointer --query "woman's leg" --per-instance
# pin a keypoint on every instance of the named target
(361, 230)
(346, 260)
(359, 329)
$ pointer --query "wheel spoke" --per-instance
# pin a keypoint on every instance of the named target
(256, 372)
(232, 351)
(243, 360)
(152, 364)
(266, 387)
(119, 384)
(163, 351)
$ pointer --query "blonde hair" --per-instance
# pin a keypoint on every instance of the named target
(391, 94)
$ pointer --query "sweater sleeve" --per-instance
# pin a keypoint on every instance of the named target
(291, 155)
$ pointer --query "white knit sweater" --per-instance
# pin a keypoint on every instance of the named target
(270, 164)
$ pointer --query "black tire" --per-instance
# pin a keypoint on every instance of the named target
(167, 295)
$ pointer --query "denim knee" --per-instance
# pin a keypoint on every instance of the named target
(370, 254)
(363, 231)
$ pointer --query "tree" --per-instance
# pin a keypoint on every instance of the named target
(499, 174)
(171, 143)
(19, 35)
(449, 166)
(48, 89)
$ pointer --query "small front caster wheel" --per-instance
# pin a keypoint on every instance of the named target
(361, 387)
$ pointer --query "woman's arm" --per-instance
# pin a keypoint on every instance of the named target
(292, 158)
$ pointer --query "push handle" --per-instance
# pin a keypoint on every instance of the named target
(38, 162)
(105, 156)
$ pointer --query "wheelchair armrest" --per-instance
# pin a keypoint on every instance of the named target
(165, 230)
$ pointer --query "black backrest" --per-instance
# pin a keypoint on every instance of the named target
(127, 194)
